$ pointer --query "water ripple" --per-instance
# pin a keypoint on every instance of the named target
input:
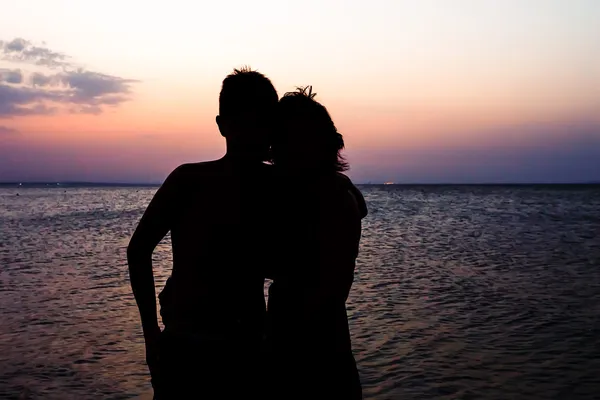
(460, 293)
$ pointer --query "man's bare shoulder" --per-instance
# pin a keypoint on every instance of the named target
(196, 171)
(211, 173)
(200, 168)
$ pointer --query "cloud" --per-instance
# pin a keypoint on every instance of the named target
(77, 90)
(150, 136)
(20, 101)
(11, 75)
(86, 90)
(94, 110)
(39, 79)
(94, 88)
(22, 50)
(16, 45)
(4, 130)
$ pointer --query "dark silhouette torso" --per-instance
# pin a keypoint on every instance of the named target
(213, 305)
(310, 344)
(216, 287)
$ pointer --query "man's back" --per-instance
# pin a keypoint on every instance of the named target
(219, 218)
(213, 304)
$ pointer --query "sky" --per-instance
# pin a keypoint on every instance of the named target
(427, 91)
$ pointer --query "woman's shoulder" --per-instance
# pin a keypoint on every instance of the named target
(343, 186)
(336, 194)
(336, 182)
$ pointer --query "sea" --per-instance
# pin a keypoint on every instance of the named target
(460, 292)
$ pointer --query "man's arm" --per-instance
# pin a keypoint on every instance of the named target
(154, 225)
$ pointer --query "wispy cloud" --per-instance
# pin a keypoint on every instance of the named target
(14, 76)
(20, 101)
(5, 130)
(93, 88)
(73, 89)
(21, 50)
(39, 79)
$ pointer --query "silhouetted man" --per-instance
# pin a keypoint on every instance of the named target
(213, 305)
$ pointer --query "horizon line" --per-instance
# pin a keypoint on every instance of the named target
(369, 183)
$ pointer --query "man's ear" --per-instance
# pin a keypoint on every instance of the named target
(222, 124)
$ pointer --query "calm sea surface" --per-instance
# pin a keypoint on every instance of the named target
(461, 292)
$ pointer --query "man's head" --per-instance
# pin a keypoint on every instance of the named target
(247, 107)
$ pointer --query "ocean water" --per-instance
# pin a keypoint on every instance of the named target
(461, 292)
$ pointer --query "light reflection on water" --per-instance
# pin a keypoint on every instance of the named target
(461, 292)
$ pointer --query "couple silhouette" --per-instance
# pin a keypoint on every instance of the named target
(278, 207)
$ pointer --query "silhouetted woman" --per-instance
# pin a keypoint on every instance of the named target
(317, 238)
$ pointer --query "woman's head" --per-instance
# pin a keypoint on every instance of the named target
(308, 139)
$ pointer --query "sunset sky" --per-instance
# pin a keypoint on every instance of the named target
(423, 91)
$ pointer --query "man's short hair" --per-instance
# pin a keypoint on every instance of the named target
(246, 89)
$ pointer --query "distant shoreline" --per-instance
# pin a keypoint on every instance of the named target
(73, 184)
(49, 185)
